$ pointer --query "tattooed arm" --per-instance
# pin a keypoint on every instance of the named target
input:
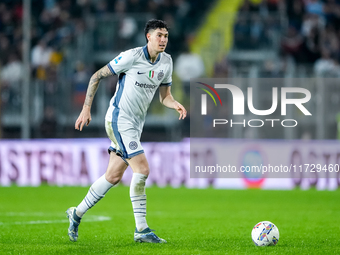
(85, 115)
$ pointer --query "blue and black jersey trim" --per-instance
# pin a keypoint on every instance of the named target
(116, 113)
(118, 153)
(147, 56)
(135, 153)
(166, 84)
(111, 69)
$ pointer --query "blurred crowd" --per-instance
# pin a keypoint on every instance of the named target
(56, 25)
(310, 35)
(258, 28)
(254, 24)
(313, 35)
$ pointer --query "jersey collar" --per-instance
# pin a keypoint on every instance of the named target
(147, 56)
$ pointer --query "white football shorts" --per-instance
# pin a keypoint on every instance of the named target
(125, 139)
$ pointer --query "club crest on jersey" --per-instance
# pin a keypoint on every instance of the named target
(160, 75)
(133, 145)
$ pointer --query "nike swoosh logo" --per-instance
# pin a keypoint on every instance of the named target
(140, 72)
(142, 204)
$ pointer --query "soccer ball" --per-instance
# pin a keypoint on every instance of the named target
(265, 233)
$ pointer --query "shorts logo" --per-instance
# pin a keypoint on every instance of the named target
(133, 145)
(160, 75)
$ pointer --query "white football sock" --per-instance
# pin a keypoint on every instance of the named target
(138, 200)
(97, 191)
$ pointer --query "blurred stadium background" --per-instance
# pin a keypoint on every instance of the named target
(47, 55)
(49, 51)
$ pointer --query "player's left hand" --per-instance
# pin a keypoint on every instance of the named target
(181, 110)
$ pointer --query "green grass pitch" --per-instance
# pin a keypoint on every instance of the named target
(193, 221)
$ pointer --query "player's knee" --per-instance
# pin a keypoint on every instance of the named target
(143, 170)
(146, 171)
(113, 179)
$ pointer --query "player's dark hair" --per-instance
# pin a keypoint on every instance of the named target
(153, 24)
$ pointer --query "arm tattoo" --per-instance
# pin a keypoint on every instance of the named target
(94, 83)
(103, 72)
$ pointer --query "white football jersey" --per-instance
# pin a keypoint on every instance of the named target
(137, 84)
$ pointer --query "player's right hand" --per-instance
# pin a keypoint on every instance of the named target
(84, 118)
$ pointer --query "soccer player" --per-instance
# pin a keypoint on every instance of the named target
(141, 71)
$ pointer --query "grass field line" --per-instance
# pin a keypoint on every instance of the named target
(90, 218)
(25, 214)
